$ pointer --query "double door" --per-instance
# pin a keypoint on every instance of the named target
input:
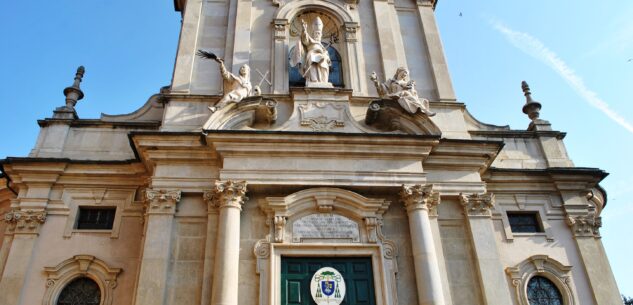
(297, 272)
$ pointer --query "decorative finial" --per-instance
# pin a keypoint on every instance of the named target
(74, 93)
(531, 107)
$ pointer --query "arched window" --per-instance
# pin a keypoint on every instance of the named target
(335, 75)
(80, 280)
(80, 291)
(541, 291)
(542, 280)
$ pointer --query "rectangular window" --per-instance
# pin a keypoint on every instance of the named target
(525, 222)
(92, 218)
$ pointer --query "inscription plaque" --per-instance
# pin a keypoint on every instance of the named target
(325, 228)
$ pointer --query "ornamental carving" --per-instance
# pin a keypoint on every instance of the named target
(584, 225)
(162, 201)
(229, 194)
(280, 26)
(544, 266)
(477, 204)
(280, 226)
(350, 31)
(322, 116)
(371, 225)
(25, 221)
(80, 266)
(419, 196)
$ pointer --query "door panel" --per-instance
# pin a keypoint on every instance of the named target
(297, 272)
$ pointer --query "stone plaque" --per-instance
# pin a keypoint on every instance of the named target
(325, 228)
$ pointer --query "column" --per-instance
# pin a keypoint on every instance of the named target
(228, 197)
(24, 224)
(477, 209)
(418, 200)
(439, 68)
(152, 281)
(584, 221)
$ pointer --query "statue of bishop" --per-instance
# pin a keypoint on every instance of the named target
(312, 56)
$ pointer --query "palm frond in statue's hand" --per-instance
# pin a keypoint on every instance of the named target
(207, 55)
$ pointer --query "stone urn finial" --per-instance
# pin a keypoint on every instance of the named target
(531, 107)
(74, 93)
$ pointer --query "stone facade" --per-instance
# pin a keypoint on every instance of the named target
(209, 200)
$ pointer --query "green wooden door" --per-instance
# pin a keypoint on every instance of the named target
(297, 272)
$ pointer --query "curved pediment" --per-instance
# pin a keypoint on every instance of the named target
(321, 110)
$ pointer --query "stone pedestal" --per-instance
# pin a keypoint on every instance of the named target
(228, 197)
(418, 200)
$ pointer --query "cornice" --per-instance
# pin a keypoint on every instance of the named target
(152, 125)
(518, 134)
(464, 154)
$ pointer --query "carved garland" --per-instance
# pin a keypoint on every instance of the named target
(80, 266)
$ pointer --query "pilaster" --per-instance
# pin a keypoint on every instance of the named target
(391, 46)
(24, 225)
(357, 78)
(584, 221)
(435, 52)
(229, 197)
(418, 200)
(477, 209)
(152, 282)
(279, 60)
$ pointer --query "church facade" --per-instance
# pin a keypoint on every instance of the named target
(306, 152)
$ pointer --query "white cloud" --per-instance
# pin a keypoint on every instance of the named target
(535, 48)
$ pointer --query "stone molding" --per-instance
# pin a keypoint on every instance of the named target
(545, 266)
(80, 266)
(162, 201)
(226, 194)
(282, 212)
(477, 205)
(27, 221)
(420, 197)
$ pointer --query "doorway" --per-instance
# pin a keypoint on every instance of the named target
(297, 272)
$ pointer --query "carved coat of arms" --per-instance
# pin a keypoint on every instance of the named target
(327, 287)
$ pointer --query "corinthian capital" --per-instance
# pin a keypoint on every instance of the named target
(162, 201)
(417, 197)
(25, 221)
(477, 204)
(229, 194)
(584, 225)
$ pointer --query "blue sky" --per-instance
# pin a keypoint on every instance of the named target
(575, 56)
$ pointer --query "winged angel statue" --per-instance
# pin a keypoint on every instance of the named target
(312, 56)
(236, 87)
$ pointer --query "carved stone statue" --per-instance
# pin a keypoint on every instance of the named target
(236, 87)
(313, 56)
(402, 89)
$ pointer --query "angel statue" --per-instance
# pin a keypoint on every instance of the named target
(236, 87)
(312, 55)
(402, 89)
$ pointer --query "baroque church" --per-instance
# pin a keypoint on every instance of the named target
(305, 152)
